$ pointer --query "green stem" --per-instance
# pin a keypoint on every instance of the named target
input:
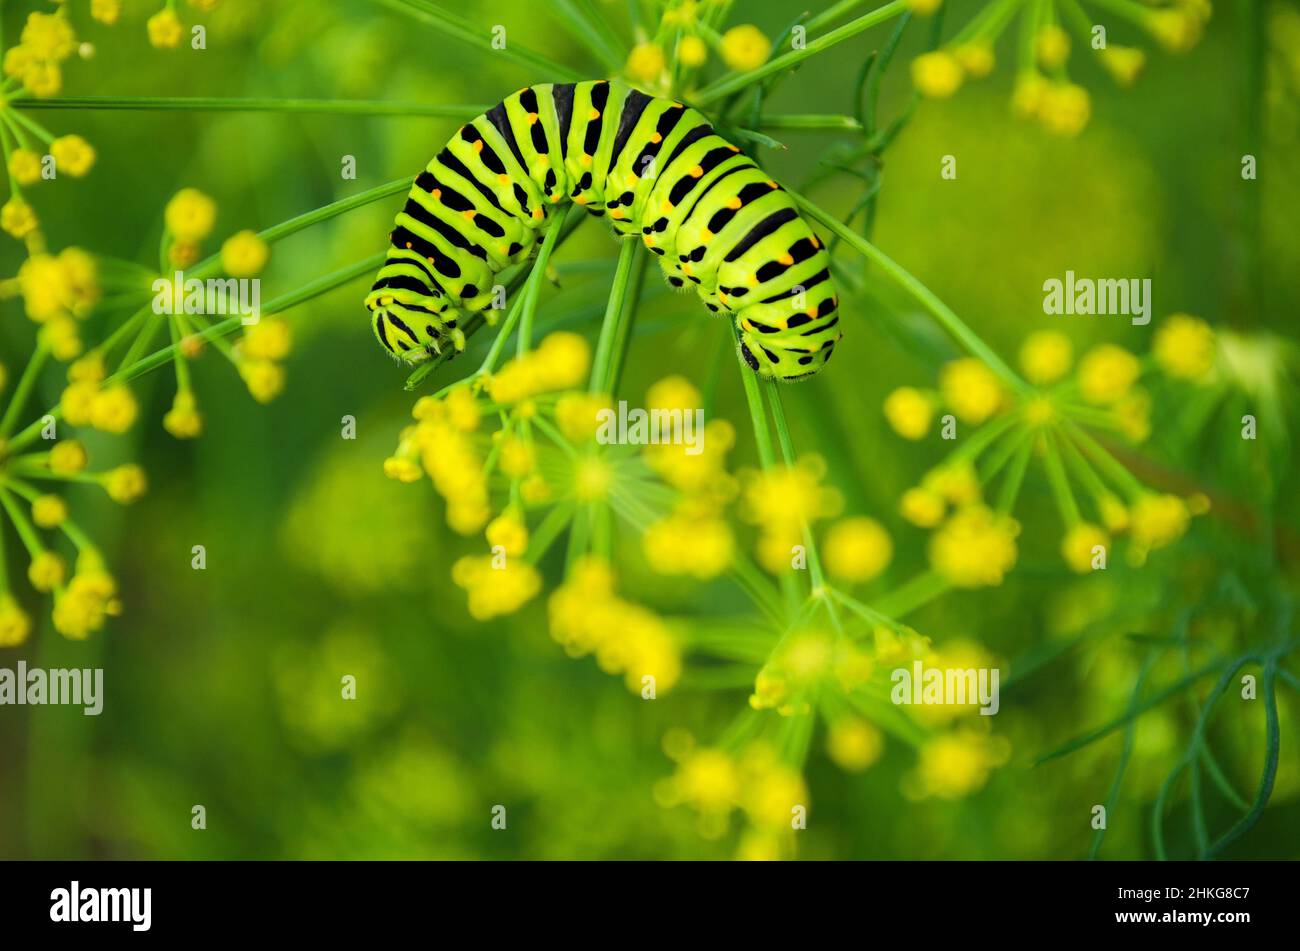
(332, 107)
(923, 295)
(735, 83)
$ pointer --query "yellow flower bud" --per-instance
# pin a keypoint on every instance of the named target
(47, 571)
(265, 379)
(745, 47)
(113, 409)
(692, 51)
(165, 29)
(190, 215)
(125, 484)
(244, 254)
(49, 511)
(645, 63)
(25, 166)
(936, 74)
(72, 154)
(68, 456)
(909, 412)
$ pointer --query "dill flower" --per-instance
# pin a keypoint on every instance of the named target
(1158, 520)
(68, 456)
(854, 744)
(922, 507)
(49, 511)
(244, 254)
(1106, 373)
(190, 214)
(264, 379)
(494, 591)
(82, 606)
(781, 502)
(1124, 63)
(692, 51)
(113, 409)
(25, 166)
(588, 617)
(18, 218)
(183, 420)
(689, 542)
(1078, 543)
(46, 571)
(517, 457)
(645, 63)
(271, 338)
(1185, 347)
(165, 29)
(801, 662)
(745, 47)
(956, 482)
(125, 484)
(857, 549)
(1052, 46)
(970, 389)
(708, 780)
(578, 415)
(509, 532)
(954, 765)
(15, 625)
(975, 59)
(73, 154)
(1045, 356)
(1064, 108)
(975, 548)
(559, 362)
(909, 412)
(106, 11)
(936, 74)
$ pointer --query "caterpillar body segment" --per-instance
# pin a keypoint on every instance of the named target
(656, 170)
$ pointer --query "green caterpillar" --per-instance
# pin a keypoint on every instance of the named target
(653, 167)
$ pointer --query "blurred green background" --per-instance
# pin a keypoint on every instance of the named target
(222, 685)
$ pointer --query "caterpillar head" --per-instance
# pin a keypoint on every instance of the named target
(408, 328)
(785, 347)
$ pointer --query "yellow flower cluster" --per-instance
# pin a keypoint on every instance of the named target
(442, 443)
(857, 550)
(559, 362)
(495, 589)
(88, 600)
(971, 390)
(803, 660)
(975, 548)
(588, 617)
(956, 764)
(57, 291)
(86, 401)
(769, 791)
(694, 539)
(955, 483)
(909, 411)
(259, 354)
(1185, 347)
(781, 502)
(1042, 90)
(47, 40)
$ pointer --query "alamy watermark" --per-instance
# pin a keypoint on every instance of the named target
(947, 686)
(222, 296)
(641, 427)
(1125, 296)
(36, 686)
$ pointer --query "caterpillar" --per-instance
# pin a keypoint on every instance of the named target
(654, 168)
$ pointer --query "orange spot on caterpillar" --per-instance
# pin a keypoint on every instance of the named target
(580, 200)
(437, 193)
(478, 145)
(537, 213)
(696, 172)
(706, 235)
(586, 161)
(786, 259)
(408, 245)
(469, 215)
(532, 118)
(503, 179)
(734, 204)
(667, 206)
(656, 138)
(594, 114)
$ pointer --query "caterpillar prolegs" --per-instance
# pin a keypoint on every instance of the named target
(654, 168)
